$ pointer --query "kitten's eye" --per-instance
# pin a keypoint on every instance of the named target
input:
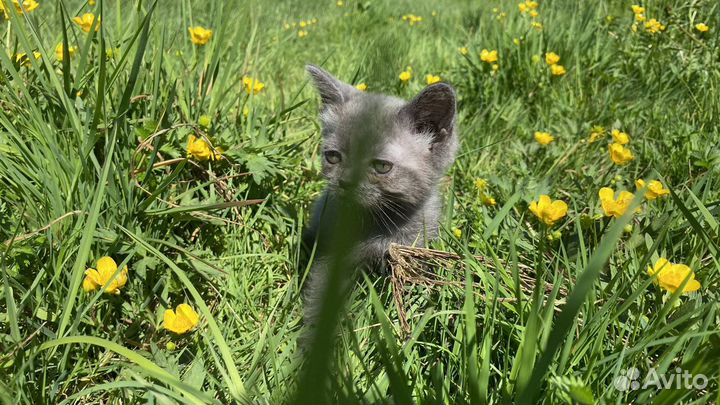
(382, 166)
(333, 157)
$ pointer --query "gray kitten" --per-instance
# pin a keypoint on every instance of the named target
(382, 158)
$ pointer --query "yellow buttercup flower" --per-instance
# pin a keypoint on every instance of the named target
(200, 35)
(302, 34)
(619, 154)
(543, 138)
(487, 200)
(27, 5)
(557, 70)
(85, 22)
(638, 9)
(103, 276)
(200, 150)
(361, 86)
(23, 60)
(59, 51)
(489, 56)
(522, 7)
(412, 19)
(481, 184)
(654, 26)
(670, 276)
(620, 137)
(431, 79)
(534, 14)
(614, 207)
(552, 58)
(253, 86)
(457, 232)
(405, 76)
(596, 133)
(182, 320)
(653, 189)
(91, 2)
(463, 50)
(702, 27)
(531, 5)
(639, 17)
(547, 210)
(538, 26)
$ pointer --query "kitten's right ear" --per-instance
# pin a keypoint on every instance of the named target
(332, 91)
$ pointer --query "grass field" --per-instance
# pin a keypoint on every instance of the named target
(552, 308)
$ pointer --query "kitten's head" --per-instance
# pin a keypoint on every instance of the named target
(381, 151)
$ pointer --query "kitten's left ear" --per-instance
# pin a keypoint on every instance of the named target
(332, 91)
(433, 110)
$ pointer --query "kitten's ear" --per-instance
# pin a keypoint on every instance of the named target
(433, 110)
(332, 91)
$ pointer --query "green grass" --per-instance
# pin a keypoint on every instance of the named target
(92, 163)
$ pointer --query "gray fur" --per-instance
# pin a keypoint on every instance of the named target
(403, 205)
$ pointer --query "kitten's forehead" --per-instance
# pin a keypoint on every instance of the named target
(366, 120)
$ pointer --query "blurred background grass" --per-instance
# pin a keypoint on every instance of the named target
(92, 163)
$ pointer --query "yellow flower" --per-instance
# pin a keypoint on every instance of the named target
(23, 60)
(302, 33)
(535, 59)
(619, 154)
(531, 5)
(59, 51)
(28, 5)
(103, 276)
(654, 26)
(489, 56)
(86, 21)
(614, 207)
(405, 76)
(481, 184)
(543, 138)
(538, 26)
(200, 150)
(495, 67)
(361, 86)
(702, 27)
(431, 79)
(91, 2)
(412, 18)
(487, 200)
(670, 276)
(200, 35)
(253, 86)
(547, 210)
(557, 70)
(516, 41)
(552, 58)
(457, 232)
(534, 13)
(339, 3)
(620, 137)
(639, 17)
(181, 320)
(463, 50)
(303, 24)
(522, 7)
(596, 133)
(654, 189)
(638, 9)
